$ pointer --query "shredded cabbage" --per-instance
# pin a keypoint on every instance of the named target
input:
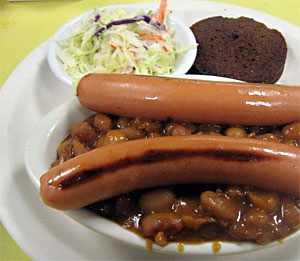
(110, 42)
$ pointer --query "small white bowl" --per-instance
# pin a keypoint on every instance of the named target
(183, 36)
(40, 152)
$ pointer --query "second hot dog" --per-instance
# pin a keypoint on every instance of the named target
(113, 170)
(187, 100)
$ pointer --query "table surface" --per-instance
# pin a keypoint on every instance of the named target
(19, 19)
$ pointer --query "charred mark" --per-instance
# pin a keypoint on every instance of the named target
(153, 156)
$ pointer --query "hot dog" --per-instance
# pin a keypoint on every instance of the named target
(187, 100)
(112, 170)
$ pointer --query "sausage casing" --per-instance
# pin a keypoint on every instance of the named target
(186, 100)
(112, 170)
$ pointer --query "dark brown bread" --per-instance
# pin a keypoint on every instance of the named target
(239, 48)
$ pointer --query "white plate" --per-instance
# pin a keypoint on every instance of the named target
(31, 92)
(183, 36)
(40, 152)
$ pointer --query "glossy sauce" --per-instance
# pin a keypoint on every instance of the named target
(180, 247)
(216, 247)
(251, 214)
(191, 213)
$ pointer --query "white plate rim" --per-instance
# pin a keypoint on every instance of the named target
(9, 220)
(44, 135)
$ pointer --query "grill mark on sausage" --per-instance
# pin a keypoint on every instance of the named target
(152, 156)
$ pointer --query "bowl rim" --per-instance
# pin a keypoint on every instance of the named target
(55, 65)
(48, 125)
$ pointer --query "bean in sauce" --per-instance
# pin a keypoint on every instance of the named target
(192, 212)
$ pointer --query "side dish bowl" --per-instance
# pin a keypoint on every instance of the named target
(40, 152)
(182, 35)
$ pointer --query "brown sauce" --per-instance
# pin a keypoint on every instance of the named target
(149, 244)
(216, 247)
(180, 247)
(189, 213)
(251, 215)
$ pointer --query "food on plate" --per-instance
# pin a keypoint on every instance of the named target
(106, 156)
(239, 48)
(112, 170)
(119, 42)
(137, 168)
(162, 98)
(196, 213)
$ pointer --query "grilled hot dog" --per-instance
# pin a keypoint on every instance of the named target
(112, 170)
(187, 100)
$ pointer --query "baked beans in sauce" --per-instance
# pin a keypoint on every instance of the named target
(190, 213)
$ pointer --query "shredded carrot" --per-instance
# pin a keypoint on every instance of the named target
(152, 37)
(133, 53)
(165, 48)
(113, 47)
(161, 11)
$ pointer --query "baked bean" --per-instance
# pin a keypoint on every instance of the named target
(161, 239)
(65, 149)
(192, 127)
(185, 206)
(208, 231)
(112, 137)
(56, 162)
(220, 192)
(264, 200)
(195, 222)
(190, 222)
(214, 133)
(218, 206)
(84, 132)
(207, 128)
(78, 148)
(181, 131)
(123, 122)
(258, 130)
(254, 217)
(140, 123)
(176, 129)
(290, 212)
(170, 127)
(124, 205)
(291, 131)
(105, 208)
(132, 133)
(235, 193)
(102, 122)
(157, 200)
(236, 132)
(241, 232)
(267, 137)
(255, 130)
(166, 222)
(90, 119)
(278, 135)
(154, 126)
(267, 237)
(100, 142)
(208, 133)
(176, 213)
(154, 134)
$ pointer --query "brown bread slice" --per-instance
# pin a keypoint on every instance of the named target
(239, 48)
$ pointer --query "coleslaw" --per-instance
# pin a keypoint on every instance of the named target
(120, 42)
